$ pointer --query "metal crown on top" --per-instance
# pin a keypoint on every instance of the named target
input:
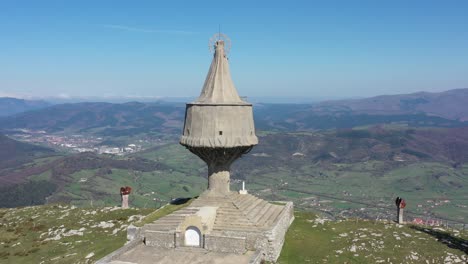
(219, 37)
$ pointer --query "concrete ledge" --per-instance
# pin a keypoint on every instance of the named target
(256, 258)
(274, 239)
(133, 232)
(160, 239)
(225, 244)
(114, 255)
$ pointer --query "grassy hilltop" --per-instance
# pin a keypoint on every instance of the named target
(311, 239)
(66, 234)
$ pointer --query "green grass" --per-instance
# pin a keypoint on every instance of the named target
(66, 234)
(63, 234)
(184, 175)
(361, 241)
(165, 210)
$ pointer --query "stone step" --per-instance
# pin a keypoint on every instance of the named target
(225, 222)
(235, 228)
(273, 219)
(260, 213)
(231, 220)
(161, 228)
(170, 219)
(231, 213)
(178, 215)
(231, 224)
(246, 201)
(255, 211)
(253, 205)
(252, 213)
(271, 213)
(191, 249)
(227, 209)
(166, 223)
(240, 200)
(237, 198)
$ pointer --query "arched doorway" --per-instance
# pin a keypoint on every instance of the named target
(192, 236)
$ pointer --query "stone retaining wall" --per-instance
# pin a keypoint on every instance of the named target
(226, 244)
(160, 239)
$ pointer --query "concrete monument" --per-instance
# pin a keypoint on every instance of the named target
(219, 125)
(219, 128)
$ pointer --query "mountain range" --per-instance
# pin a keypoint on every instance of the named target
(11, 106)
(445, 109)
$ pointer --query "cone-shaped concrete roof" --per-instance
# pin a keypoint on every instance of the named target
(219, 118)
(218, 87)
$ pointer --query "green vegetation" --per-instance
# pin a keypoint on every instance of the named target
(62, 233)
(346, 173)
(29, 193)
(314, 240)
(67, 234)
(165, 210)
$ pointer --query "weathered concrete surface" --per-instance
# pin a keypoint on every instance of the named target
(149, 255)
(227, 244)
(219, 118)
(237, 223)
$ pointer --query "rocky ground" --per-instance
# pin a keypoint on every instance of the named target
(62, 233)
(317, 240)
(67, 234)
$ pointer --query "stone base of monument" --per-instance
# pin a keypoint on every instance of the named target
(236, 224)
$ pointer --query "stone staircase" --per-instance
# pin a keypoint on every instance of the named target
(260, 212)
(243, 212)
(172, 221)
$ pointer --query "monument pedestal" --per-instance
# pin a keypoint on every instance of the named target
(235, 223)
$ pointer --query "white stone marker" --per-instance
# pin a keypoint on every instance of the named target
(243, 191)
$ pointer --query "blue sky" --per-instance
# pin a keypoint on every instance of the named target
(306, 49)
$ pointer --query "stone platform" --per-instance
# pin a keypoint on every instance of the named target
(241, 226)
(149, 255)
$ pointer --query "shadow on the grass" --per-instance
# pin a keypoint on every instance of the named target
(445, 238)
(179, 201)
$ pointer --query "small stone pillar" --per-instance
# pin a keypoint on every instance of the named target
(243, 191)
(124, 193)
(401, 204)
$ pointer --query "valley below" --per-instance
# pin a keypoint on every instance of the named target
(342, 159)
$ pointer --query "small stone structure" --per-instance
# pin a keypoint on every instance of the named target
(124, 193)
(401, 204)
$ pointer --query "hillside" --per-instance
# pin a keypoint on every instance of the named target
(312, 239)
(338, 172)
(87, 179)
(63, 233)
(11, 106)
(14, 153)
(103, 119)
(66, 234)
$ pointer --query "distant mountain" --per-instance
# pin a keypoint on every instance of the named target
(11, 106)
(103, 119)
(452, 104)
(446, 109)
